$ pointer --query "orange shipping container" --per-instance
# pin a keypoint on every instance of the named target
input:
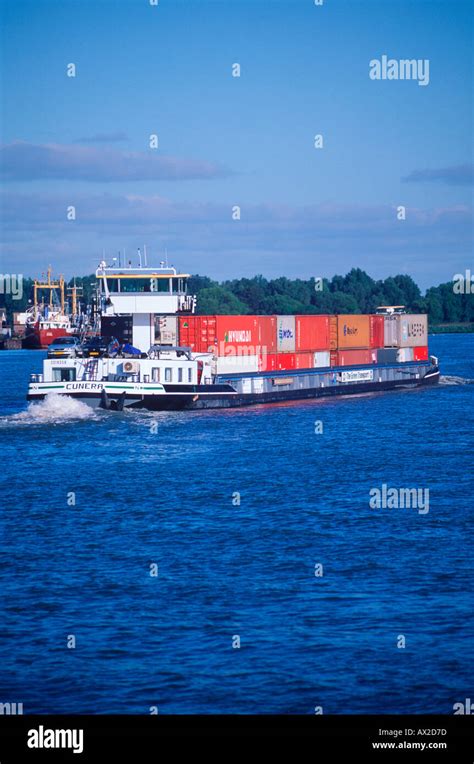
(353, 331)
(333, 332)
(312, 333)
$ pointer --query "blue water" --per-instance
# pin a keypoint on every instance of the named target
(164, 494)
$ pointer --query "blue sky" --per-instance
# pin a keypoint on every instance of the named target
(248, 141)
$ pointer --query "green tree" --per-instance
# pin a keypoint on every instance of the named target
(344, 303)
(216, 300)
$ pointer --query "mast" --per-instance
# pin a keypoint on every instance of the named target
(49, 285)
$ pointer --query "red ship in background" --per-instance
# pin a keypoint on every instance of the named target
(46, 320)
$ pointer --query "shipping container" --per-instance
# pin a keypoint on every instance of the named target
(387, 355)
(312, 333)
(390, 331)
(333, 332)
(353, 357)
(234, 364)
(404, 355)
(267, 334)
(285, 361)
(228, 335)
(198, 333)
(267, 362)
(353, 331)
(421, 353)
(322, 359)
(286, 334)
(304, 360)
(166, 330)
(236, 335)
(377, 339)
(413, 330)
(406, 330)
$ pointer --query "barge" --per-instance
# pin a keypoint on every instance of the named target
(161, 356)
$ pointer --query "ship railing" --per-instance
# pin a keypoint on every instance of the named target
(156, 350)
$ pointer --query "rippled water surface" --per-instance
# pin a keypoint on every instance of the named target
(164, 489)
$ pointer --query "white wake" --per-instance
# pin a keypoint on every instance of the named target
(448, 379)
(54, 409)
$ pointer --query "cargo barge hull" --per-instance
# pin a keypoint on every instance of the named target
(207, 398)
(246, 390)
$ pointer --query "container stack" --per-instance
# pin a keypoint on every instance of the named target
(249, 344)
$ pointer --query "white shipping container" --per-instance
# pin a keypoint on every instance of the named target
(322, 359)
(412, 330)
(286, 334)
(166, 330)
(404, 355)
(390, 331)
(406, 330)
(237, 364)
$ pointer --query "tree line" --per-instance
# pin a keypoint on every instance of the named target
(356, 292)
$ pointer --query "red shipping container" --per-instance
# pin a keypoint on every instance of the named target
(197, 332)
(228, 335)
(267, 362)
(312, 333)
(353, 357)
(304, 360)
(234, 333)
(252, 335)
(376, 331)
(285, 361)
(420, 353)
(267, 329)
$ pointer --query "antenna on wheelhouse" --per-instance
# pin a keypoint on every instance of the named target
(144, 255)
(139, 258)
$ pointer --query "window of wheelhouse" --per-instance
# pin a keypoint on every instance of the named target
(64, 375)
(168, 374)
(112, 284)
(155, 374)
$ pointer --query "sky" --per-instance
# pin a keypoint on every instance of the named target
(80, 178)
